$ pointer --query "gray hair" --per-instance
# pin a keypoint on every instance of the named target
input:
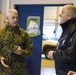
(12, 11)
(71, 9)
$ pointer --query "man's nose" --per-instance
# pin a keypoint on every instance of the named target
(16, 19)
(60, 15)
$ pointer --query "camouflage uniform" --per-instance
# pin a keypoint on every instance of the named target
(9, 39)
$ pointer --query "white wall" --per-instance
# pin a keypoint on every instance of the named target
(41, 2)
(6, 4)
(0, 5)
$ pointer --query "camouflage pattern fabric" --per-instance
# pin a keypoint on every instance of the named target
(9, 39)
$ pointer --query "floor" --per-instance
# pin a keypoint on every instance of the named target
(47, 67)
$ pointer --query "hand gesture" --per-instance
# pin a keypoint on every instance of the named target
(71, 73)
(3, 63)
(18, 50)
(50, 54)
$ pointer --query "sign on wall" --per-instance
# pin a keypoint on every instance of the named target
(33, 26)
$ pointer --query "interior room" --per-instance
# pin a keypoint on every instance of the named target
(47, 12)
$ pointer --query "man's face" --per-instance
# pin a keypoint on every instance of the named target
(13, 19)
(64, 16)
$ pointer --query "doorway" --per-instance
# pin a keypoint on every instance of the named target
(50, 35)
(47, 21)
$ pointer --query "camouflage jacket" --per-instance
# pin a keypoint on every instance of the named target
(9, 39)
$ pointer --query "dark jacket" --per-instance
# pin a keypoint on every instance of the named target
(9, 39)
(65, 54)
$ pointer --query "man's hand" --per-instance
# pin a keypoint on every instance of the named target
(3, 63)
(18, 50)
(71, 73)
(50, 55)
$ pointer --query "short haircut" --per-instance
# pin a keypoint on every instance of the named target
(12, 11)
(71, 9)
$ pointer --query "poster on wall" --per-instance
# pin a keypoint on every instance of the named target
(33, 26)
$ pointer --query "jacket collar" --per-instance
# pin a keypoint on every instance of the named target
(67, 23)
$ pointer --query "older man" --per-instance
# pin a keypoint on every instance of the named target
(15, 45)
(65, 54)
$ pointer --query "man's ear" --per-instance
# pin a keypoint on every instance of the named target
(69, 16)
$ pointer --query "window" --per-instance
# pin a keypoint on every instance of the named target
(51, 29)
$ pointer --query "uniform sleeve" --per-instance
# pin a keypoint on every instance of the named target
(69, 53)
(0, 44)
(27, 49)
